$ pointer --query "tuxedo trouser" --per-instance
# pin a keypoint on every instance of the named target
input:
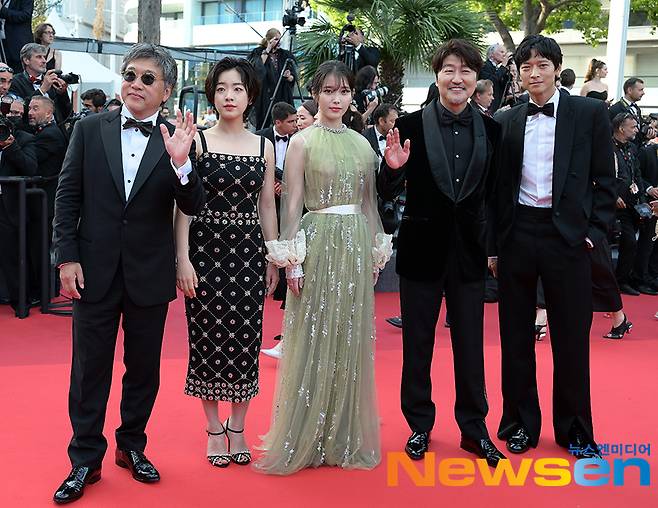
(627, 245)
(95, 328)
(420, 302)
(645, 251)
(535, 249)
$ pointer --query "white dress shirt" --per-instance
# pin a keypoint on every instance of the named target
(537, 169)
(382, 142)
(280, 148)
(133, 146)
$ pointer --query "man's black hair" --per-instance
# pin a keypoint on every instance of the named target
(542, 46)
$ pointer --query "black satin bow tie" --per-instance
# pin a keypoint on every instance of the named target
(464, 118)
(382, 138)
(145, 128)
(547, 109)
(281, 138)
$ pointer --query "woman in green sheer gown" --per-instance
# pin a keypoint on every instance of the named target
(325, 408)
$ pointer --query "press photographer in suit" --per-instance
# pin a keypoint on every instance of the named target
(114, 245)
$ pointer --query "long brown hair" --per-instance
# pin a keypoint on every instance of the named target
(594, 65)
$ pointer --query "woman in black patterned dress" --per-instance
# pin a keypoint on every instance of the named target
(221, 261)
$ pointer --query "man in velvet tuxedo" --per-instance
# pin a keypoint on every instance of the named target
(555, 198)
(445, 161)
(114, 245)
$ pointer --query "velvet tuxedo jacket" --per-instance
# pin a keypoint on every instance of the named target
(439, 223)
(583, 189)
(100, 227)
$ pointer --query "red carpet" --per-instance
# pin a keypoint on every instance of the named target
(34, 428)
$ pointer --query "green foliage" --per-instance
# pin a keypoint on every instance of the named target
(40, 12)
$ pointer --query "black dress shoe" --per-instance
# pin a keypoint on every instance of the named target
(645, 289)
(74, 485)
(627, 289)
(483, 448)
(581, 447)
(395, 321)
(140, 467)
(519, 442)
(417, 445)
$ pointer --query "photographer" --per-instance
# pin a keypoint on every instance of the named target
(15, 29)
(17, 158)
(494, 70)
(6, 77)
(269, 60)
(365, 83)
(94, 100)
(631, 190)
(633, 93)
(363, 55)
(35, 80)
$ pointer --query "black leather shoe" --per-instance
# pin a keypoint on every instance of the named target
(417, 445)
(140, 467)
(581, 447)
(395, 321)
(519, 442)
(74, 485)
(645, 289)
(483, 448)
(627, 289)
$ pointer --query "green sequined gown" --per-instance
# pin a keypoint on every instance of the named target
(325, 409)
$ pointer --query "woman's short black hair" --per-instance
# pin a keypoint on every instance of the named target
(247, 75)
(543, 46)
(331, 68)
(464, 50)
(364, 78)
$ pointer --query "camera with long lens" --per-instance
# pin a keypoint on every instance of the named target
(6, 128)
(291, 17)
(69, 79)
(377, 93)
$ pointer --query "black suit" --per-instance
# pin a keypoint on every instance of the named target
(499, 76)
(125, 245)
(18, 159)
(646, 260)
(372, 135)
(367, 56)
(549, 243)
(18, 30)
(442, 207)
(50, 146)
(623, 106)
(24, 88)
(268, 76)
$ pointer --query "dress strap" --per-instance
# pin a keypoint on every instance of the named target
(262, 146)
(204, 145)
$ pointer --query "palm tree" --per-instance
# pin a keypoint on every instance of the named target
(407, 32)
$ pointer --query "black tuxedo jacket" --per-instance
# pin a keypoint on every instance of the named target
(498, 76)
(18, 159)
(437, 224)
(371, 135)
(23, 87)
(98, 226)
(268, 133)
(584, 190)
(18, 30)
(50, 146)
(621, 107)
(367, 56)
(649, 164)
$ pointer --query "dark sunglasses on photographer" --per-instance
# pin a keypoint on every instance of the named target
(147, 78)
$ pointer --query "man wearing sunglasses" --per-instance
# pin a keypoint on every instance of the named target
(114, 246)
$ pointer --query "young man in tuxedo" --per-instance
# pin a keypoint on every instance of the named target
(384, 117)
(554, 199)
(114, 246)
(284, 117)
(445, 163)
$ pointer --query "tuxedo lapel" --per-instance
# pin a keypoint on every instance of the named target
(515, 144)
(436, 153)
(154, 151)
(111, 138)
(564, 132)
(478, 158)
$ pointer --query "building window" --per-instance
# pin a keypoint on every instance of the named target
(217, 13)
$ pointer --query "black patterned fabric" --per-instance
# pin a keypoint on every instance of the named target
(226, 249)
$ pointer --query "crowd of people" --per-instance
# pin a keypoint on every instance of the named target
(521, 179)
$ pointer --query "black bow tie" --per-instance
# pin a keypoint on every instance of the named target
(281, 138)
(464, 118)
(382, 138)
(547, 109)
(145, 128)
